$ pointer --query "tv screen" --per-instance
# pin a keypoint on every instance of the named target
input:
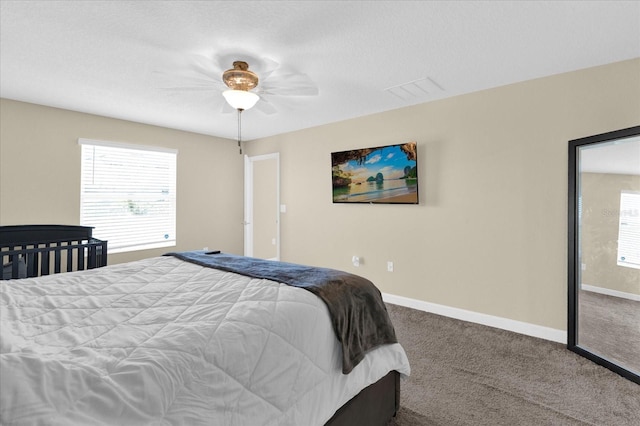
(383, 175)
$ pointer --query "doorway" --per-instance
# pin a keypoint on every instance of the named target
(262, 206)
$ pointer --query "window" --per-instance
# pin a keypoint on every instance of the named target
(629, 230)
(128, 194)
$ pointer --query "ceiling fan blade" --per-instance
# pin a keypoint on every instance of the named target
(187, 78)
(265, 107)
(266, 68)
(191, 89)
(172, 82)
(290, 85)
(204, 66)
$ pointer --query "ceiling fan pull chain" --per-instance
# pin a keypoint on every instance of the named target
(240, 130)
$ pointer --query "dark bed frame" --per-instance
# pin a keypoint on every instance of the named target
(35, 250)
(375, 405)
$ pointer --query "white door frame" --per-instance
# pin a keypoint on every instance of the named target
(248, 201)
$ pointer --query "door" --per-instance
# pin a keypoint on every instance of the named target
(262, 206)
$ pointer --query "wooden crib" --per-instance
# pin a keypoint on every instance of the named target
(33, 250)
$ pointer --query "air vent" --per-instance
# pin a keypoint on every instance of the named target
(416, 89)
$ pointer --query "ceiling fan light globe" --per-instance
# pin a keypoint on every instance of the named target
(240, 99)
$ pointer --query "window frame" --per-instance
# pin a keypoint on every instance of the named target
(140, 245)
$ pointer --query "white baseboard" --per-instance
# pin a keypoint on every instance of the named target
(609, 292)
(533, 330)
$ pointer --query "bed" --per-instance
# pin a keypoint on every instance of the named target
(196, 338)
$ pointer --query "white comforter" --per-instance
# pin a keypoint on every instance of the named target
(163, 341)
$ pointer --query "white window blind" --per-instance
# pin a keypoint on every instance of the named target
(128, 194)
(629, 230)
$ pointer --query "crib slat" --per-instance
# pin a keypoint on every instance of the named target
(69, 260)
(57, 254)
(80, 252)
(15, 266)
(91, 258)
(32, 265)
(44, 261)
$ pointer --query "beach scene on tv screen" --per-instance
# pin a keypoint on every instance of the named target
(387, 174)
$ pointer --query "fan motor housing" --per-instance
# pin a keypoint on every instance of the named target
(240, 78)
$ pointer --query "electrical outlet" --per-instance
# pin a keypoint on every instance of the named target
(389, 266)
(355, 260)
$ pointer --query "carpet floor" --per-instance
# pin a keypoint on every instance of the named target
(605, 322)
(469, 374)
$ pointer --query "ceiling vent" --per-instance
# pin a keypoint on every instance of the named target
(416, 89)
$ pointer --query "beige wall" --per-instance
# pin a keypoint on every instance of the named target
(599, 231)
(40, 174)
(490, 233)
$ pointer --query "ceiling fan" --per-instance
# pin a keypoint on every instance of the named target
(240, 87)
(266, 84)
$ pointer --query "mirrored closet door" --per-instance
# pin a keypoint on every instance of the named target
(604, 250)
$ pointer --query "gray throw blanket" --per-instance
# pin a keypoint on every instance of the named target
(360, 318)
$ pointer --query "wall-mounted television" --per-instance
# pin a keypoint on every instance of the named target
(381, 175)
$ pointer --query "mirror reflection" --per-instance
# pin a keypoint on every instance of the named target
(608, 251)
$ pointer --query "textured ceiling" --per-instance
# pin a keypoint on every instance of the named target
(136, 60)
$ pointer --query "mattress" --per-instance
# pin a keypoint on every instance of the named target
(164, 341)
